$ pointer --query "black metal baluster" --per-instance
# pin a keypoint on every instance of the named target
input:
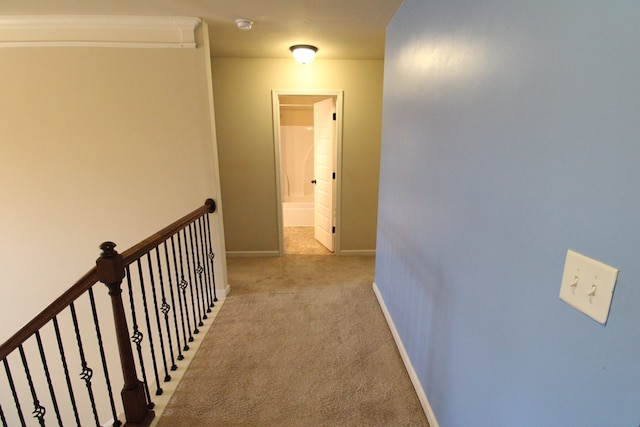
(137, 338)
(206, 280)
(206, 299)
(86, 372)
(148, 322)
(38, 410)
(178, 289)
(205, 263)
(173, 302)
(183, 286)
(167, 377)
(197, 268)
(66, 370)
(194, 307)
(12, 385)
(116, 422)
(2, 418)
(54, 401)
(211, 257)
(165, 307)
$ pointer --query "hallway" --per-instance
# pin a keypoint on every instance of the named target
(300, 341)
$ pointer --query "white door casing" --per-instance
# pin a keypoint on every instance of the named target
(337, 95)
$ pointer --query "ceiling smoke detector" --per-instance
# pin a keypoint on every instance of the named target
(244, 24)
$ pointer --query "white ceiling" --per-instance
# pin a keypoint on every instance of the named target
(341, 29)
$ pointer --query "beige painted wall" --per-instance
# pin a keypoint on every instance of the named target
(96, 144)
(242, 93)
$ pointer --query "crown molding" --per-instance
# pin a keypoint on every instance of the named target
(98, 31)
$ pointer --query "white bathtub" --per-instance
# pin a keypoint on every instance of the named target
(297, 214)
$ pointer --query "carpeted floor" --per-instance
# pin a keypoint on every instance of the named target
(300, 341)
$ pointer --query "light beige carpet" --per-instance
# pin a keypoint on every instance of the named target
(300, 241)
(300, 341)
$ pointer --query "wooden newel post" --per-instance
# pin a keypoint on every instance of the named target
(110, 267)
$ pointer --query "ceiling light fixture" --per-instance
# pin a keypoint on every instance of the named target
(244, 24)
(303, 53)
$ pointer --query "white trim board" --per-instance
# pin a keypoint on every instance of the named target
(338, 95)
(426, 406)
(238, 254)
(358, 252)
(225, 291)
(98, 31)
(219, 246)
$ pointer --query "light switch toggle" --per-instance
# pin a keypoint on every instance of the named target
(592, 293)
(574, 284)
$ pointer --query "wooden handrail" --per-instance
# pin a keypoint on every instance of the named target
(135, 252)
(91, 278)
(52, 310)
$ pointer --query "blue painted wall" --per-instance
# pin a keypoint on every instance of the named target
(511, 133)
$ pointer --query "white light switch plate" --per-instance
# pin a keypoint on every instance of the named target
(587, 285)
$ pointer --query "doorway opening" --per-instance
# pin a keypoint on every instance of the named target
(307, 142)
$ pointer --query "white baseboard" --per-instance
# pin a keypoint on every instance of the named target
(225, 291)
(238, 254)
(170, 387)
(426, 406)
(357, 252)
(344, 252)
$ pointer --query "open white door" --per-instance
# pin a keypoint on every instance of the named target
(324, 168)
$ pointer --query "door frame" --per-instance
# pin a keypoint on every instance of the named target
(337, 184)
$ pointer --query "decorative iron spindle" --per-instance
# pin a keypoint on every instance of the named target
(148, 323)
(180, 298)
(197, 268)
(137, 337)
(87, 373)
(205, 264)
(116, 422)
(38, 409)
(45, 365)
(183, 286)
(167, 377)
(12, 385)
(175, 311)
(3, 419)
(194, 307)
(65, 366)
(165, 308)
(211, 257)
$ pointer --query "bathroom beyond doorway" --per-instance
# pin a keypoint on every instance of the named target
(308, 163)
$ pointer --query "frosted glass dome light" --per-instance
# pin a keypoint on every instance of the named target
(303, 53)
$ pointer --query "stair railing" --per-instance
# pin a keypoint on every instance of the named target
(170, 288)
